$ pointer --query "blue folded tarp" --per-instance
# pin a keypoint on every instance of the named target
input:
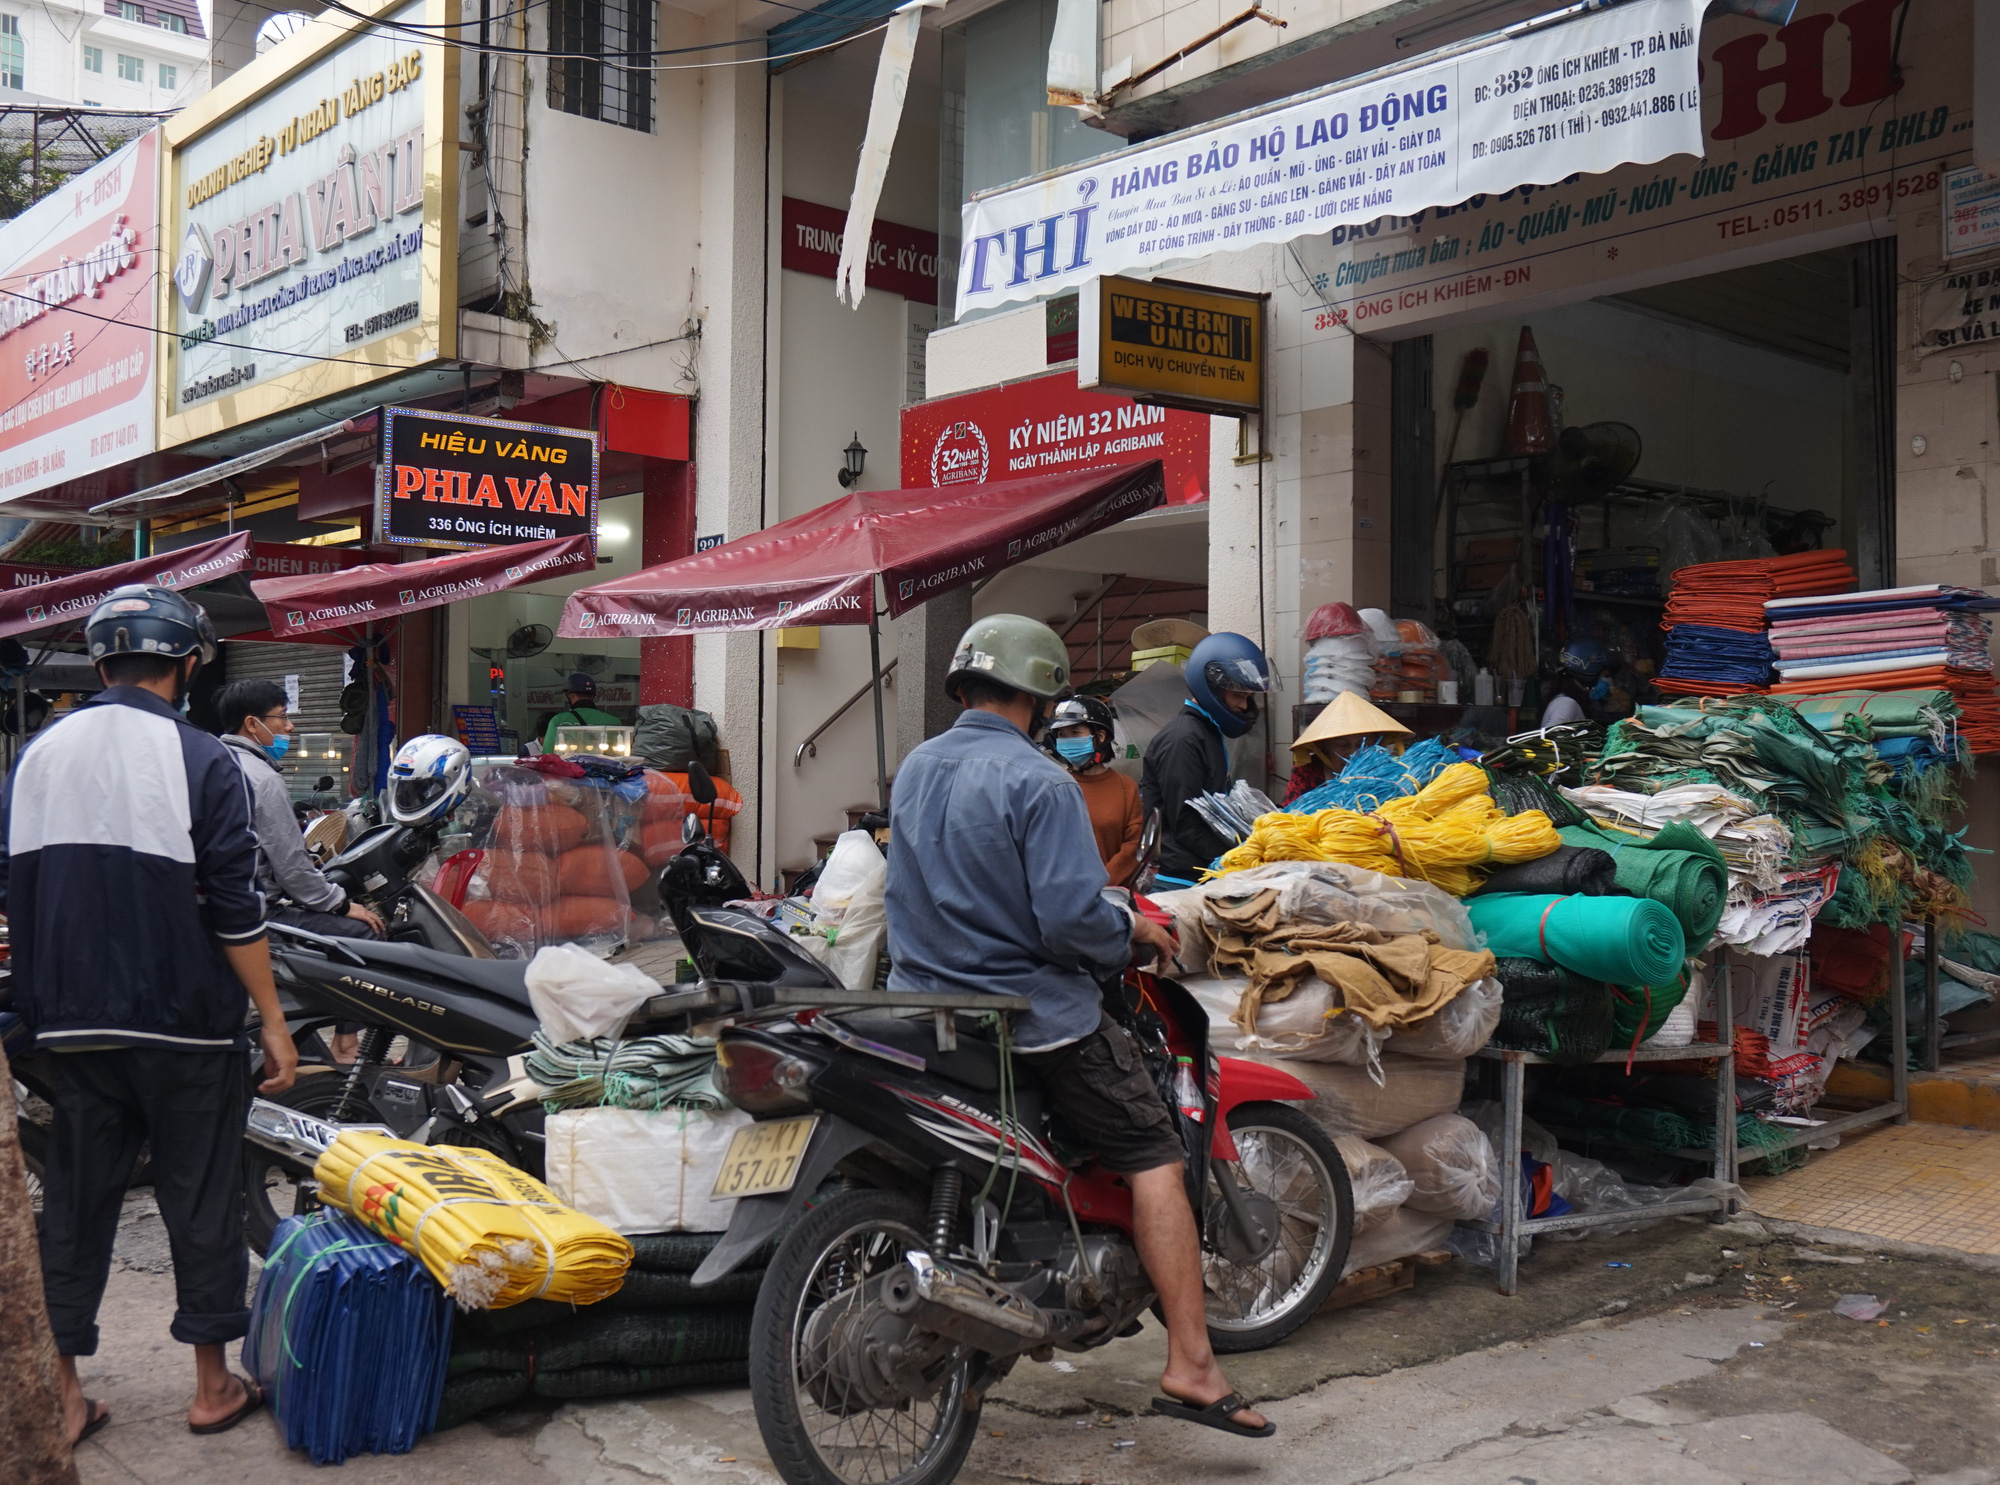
(349, 1337)
(1703, 652)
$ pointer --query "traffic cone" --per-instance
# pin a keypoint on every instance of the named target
(1530, 430)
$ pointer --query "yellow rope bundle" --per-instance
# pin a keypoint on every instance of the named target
(1444, 834)
(491, 1234)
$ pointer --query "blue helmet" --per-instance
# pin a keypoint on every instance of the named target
(1585, 657)
(1227, 662)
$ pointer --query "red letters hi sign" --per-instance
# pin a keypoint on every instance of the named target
(901, 259)
(1867, 37)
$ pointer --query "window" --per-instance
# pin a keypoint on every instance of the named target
(127, 11)
(170, 77)
(175, 23)
(10, 52)
(93, 59)
(132, 69)
(609, 76)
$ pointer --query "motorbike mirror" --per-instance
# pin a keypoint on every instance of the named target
(690, 829)
(325, 783)
(1149, 838)
(700, 785)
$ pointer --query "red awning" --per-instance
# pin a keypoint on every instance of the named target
(820, 568)
(69, 600)
(384, 590)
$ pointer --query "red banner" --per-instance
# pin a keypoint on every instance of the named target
(69, 600)
(368, 594)
(901, 259)
(1048, 425)
(32, 574)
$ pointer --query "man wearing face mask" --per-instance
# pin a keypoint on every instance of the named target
(1189, 756)
(258, 733)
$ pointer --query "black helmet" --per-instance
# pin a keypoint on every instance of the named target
(1082, 711)
(141, 619)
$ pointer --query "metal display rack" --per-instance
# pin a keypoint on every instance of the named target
(1723, 1156)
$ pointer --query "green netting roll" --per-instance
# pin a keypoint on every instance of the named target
(1679, 867)
(620, 1381)
(1548, 1010)
(466, 1397)
(1637, 1011)
(637, 1338)
(1623, 940)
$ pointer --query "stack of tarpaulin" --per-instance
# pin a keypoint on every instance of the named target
(1932, 636)
(1715, 618)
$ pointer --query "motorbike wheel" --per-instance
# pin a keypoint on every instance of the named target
(1290, 1168)
(809, 1317)
(270, 1181)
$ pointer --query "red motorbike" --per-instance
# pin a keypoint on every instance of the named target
(938, 1223)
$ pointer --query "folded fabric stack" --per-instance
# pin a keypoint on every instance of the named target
(1930, 636)
(1715, 618)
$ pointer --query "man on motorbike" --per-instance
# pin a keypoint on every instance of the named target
(129, 881)
(995, 885)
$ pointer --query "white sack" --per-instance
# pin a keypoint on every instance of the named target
(1400, 1234)
(637, 1170)
(577, 996)
(1305, 1027)
(851, 866)
(1451, 1165)
(1219, 997)
(1458, 1028)
(857, 943)
(1381, 1185)
(1346, 1100)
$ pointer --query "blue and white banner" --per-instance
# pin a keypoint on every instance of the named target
(1616, 87)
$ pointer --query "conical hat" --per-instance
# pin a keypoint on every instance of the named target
(1350, 715)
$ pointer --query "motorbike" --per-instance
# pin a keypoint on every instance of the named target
(969, 1228)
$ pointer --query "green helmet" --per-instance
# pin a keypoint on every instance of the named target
(1014, 651)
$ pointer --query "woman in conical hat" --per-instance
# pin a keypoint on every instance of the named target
(1344, 726)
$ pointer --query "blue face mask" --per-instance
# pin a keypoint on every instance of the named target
(280, 745)
(1076, 750)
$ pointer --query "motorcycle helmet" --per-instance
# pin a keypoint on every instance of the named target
(1584, 658)
(428, 779)
(1014, 651)
(1227, 662)
(1082, 711)
(141, 619)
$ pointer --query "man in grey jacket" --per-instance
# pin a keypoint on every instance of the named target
(257, 730)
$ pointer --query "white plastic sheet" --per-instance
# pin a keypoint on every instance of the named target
(639, 1171)
(1451, 1165)
(1400, 1234)
(577, 996)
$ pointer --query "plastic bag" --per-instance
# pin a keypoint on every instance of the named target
(864, 925)
(636, 1170)
(1452, 1169)
(1398, 1235)
(1334, 892)
(577, 996)
(1458, 1028)
(1347, 1100)
(1388, 638)
(1219, 997)
(1184, 905)
(1483, 1248)
(1306, 1026)
(1334, 621)
(852, 866)
(1381, 1185)
(1535, 1140)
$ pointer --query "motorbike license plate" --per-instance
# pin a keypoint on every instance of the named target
(764, 1159)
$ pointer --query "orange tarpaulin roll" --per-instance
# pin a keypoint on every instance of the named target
(1731, 595)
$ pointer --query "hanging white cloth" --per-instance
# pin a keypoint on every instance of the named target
(885, 113)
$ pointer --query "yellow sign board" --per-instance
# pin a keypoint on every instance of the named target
(1172, 343)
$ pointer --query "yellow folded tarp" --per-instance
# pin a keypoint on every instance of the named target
(490, 1234)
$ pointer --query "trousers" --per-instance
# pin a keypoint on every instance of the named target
(190, 1106)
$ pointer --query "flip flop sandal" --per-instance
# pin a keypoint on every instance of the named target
(253, 1399)
(1219, 1414)
(94, 1422)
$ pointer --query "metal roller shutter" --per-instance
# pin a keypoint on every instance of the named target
(319, 669)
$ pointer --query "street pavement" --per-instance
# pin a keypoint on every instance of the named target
(1685, 1354)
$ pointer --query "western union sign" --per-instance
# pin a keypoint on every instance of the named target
(1172, 343)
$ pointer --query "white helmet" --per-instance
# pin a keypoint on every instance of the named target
(428, 779)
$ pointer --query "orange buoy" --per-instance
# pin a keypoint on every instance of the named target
(1530, 430)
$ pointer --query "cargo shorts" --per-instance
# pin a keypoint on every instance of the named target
(1102, 1087)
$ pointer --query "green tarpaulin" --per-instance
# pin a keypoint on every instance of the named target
(1679, 867)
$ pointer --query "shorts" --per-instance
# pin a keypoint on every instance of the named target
(1100, 1085)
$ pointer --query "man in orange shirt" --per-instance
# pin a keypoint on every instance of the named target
(1080, 738)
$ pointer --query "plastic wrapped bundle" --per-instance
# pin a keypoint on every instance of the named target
(1625, 940)
(1400, 1234)
(1451, 1166)
(348, 1339)
(1348, 1100)
(1459, 1028)
(1340, 664)
(1546, 1009)
(1380, 1183)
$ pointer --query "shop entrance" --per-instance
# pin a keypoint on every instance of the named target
(1738, 414)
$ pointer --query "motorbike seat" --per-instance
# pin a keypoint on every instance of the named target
(503, 979)
(975, 1062)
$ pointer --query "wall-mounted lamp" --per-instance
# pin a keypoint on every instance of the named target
(855, 457)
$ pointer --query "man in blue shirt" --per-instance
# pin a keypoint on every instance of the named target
(995, 884)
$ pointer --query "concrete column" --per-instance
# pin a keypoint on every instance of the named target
(925, 639)
(729, 423)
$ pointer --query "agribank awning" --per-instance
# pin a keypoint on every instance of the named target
(1569, 93)
(385, 590)
(820, 568)
(69, 600)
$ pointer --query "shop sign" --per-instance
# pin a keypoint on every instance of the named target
(33, 574)
(902, 260)
(555, 699)
(1201, 349)
(1587, 95)
(1046, 425)
(452, 480)
(76, 324)
(310, 241)
(283, 559)
(1971, 212)
(1815, 131)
